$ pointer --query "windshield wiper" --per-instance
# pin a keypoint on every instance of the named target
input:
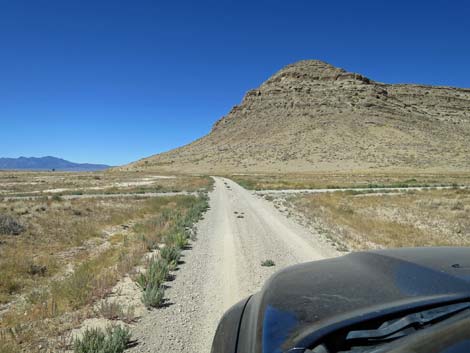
(368, 341)
(401, 327)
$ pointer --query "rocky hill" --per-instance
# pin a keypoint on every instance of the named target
(47, 163)
(311, 116)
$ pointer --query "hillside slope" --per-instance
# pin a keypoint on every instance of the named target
(311, 116)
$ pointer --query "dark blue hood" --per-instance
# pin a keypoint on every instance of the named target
(302, 303)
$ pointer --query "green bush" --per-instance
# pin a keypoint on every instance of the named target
(175, 237)
(152, 296)
(114, 340)
(268, 263)
(171, 254)
(181, 240)
(156, 274)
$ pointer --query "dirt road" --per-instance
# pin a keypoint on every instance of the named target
(239, 231)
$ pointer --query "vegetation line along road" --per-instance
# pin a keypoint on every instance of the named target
(71, 267)
(239, 232)
(358, 189)
(89, 196)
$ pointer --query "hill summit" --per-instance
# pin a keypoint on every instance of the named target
(312, 116)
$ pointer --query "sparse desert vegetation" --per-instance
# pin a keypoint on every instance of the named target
(108, 182)
(312, 117)
(60, 259)
(359, 179)
(358, 220)
(268, 263)
(112, 340)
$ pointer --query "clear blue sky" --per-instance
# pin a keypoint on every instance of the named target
(113, 81)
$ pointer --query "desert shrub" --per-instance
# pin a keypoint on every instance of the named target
(199, 206)
(172, 225)
(457, 206)
(150, 243)
(10, 226)
(171, 254)
(57, 197)
(75, 290)
(11, 284)
(113, 340)
(156, 274)
(112, 310)
(152, 296)
(151, 282)
(127, 260)
(268, 263)
(37, 270)
(180, 240)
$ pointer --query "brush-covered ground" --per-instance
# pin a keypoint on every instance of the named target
(354, 220)
(65, 262)
(108, 182)
(358, 179)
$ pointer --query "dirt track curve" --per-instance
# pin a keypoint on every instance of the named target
(239, 231)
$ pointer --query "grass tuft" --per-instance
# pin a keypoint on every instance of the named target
(114, 339)
(171, 254)
(156, 274)
(112, 310)
(268, 263)
(152, 296)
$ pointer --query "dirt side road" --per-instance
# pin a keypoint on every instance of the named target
(239, 231)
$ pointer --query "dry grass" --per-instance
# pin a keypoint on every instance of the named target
(361, 221)
(57, 234)
(70, 255)
(349, 180)
(66, 183)
(63, 301)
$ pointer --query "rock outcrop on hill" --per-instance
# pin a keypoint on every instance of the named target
(311, 116)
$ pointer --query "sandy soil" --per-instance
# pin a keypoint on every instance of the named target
(239, 231)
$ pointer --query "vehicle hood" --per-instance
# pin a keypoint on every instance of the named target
(300, 304)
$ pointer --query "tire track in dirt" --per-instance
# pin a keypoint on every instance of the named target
(238, 232)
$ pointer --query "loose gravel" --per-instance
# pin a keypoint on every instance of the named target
(223, 267)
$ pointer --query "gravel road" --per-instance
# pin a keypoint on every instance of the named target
(239, 231)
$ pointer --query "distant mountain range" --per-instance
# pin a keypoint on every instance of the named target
(48, 163)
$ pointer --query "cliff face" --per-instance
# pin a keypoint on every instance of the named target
(311, 116)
